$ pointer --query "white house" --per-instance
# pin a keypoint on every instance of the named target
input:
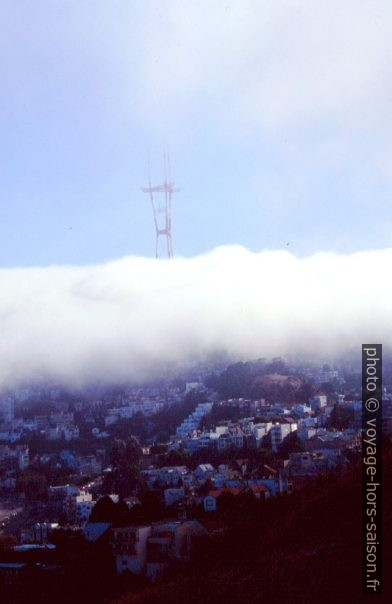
(23, 456)
(204, 471)
(318, 402)
(170, 541)
(129, 545)
(279, 432)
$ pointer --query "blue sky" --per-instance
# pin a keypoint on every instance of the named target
(277, 116)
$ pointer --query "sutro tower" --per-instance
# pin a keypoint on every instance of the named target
(161, 208)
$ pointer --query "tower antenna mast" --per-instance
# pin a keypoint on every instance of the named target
(161, 198)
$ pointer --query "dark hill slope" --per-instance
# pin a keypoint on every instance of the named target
(301, 548)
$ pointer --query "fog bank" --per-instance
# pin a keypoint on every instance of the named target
(125, 319)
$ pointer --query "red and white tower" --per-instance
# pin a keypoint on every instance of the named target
(160, 197)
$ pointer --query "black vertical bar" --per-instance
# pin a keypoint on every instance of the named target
(371, 468)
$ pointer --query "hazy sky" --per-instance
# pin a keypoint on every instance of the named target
(277, 115)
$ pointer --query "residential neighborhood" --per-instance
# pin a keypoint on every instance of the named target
(153, 471)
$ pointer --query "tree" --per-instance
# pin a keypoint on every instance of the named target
(34, 485)
(117, 452)
(291, 444)
(104, 510)
(304, 393)
(278, 365)
(235, 380)
(226, 501)
(133, 451)
(177, 457)
(340, 418)
(328, 388)
(124, 454)
(206, 487)
(167, 420)
(158, 449)
(7, 542)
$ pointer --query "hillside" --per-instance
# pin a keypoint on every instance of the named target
(303, 548)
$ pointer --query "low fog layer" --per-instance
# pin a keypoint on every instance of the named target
(127, 318)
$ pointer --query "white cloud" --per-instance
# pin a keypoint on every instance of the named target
(271, 64)
(276, 64)
(126, 319)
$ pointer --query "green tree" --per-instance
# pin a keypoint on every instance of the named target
(291, 444)
(340, 418)
(34, 485)
(104, 510)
